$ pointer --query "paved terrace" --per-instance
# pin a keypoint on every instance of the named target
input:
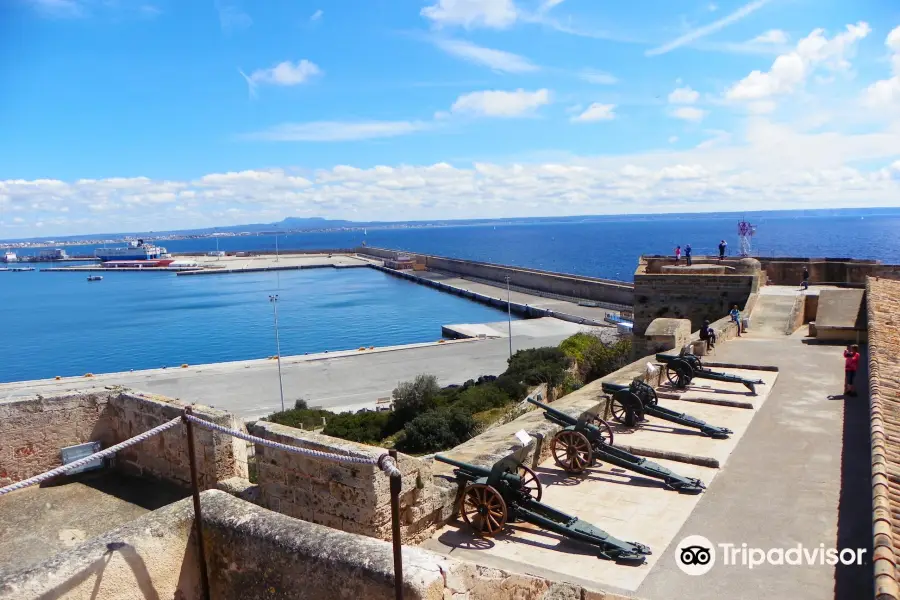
(799, 474)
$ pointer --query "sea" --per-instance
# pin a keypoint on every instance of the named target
(60, 324)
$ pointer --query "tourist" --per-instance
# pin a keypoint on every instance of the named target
(677, 254)
(708, 334)
(805, 284)
(851, 363)
(687, 254)
(736, 318)
(722, 245)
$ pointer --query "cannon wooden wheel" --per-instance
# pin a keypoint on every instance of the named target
(483, 509)
(572, 451)
(530, 482)
(606, 432)
(621, 402)
(679, 373)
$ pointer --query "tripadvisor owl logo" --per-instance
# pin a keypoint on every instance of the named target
(695, 555)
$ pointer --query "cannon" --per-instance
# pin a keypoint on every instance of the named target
(681, 369)
(630, 403)
(509, 492)
(583, 441)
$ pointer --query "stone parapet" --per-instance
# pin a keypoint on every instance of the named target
(34, 430)
(352, 498)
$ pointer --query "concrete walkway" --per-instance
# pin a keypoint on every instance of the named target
(340, 381)
(800, 475)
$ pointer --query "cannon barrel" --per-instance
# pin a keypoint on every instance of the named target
(475, 470)
(666, 358)
(552, 412)
(613, 387)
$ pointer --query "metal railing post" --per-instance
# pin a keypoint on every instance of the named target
(195, 490)
(395, 530)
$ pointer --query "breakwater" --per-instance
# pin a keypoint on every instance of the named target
(609, 291)
(525, 310)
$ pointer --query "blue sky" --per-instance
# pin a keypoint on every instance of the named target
(118, 113)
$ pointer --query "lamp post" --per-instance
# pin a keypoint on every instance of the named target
(274, 300)
(509, 316)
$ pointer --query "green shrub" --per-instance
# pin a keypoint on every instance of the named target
(301, 418)
(538, 365)
(436, 430)
(301, 404)
(364, 427)
(577, 346)
(595, 358)
(480, 398)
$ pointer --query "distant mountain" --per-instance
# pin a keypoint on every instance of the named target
(320, 223)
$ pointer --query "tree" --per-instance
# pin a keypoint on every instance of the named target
(436, 430)
(412, 398)
(538, 365)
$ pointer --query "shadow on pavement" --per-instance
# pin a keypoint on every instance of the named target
(855, 502)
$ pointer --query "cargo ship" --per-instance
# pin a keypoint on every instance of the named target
(135, 250)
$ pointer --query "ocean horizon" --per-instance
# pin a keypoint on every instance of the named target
(58, 324)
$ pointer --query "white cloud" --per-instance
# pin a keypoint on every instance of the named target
(790, 71)
(316, 15)
(498, 60)
(549, 4)
(701, 32)
(58, 8)
(689, 113)
(494, 14)
(231, 17)
(337, 131)
(772, 36)
(683, 95)
(596, 112)
(712, 7)
(495, 103)
(286, 73)
(885, 94)
(598, 77)
(769, 166)
(283, 74)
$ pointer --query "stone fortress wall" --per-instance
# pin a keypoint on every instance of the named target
(33, 430)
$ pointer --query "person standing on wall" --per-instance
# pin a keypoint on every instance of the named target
(687, 254)
(805, 284)
(736, 318)
(722, 246)
(677, 254)
(851, 364)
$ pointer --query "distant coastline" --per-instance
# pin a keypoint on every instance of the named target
(293, 225)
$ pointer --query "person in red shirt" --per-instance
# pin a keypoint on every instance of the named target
(851, 364)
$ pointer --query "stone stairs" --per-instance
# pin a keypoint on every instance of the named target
(773, 312)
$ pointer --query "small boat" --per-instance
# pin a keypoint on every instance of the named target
(95, 278)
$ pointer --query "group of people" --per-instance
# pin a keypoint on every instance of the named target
(708, 334)
(723, 245)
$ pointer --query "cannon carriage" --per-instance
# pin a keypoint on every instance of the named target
(684, 368)
(509, 492)
(582, 442)
(631, 403)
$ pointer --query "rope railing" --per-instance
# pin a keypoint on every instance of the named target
(89, 459)
(385, 462)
